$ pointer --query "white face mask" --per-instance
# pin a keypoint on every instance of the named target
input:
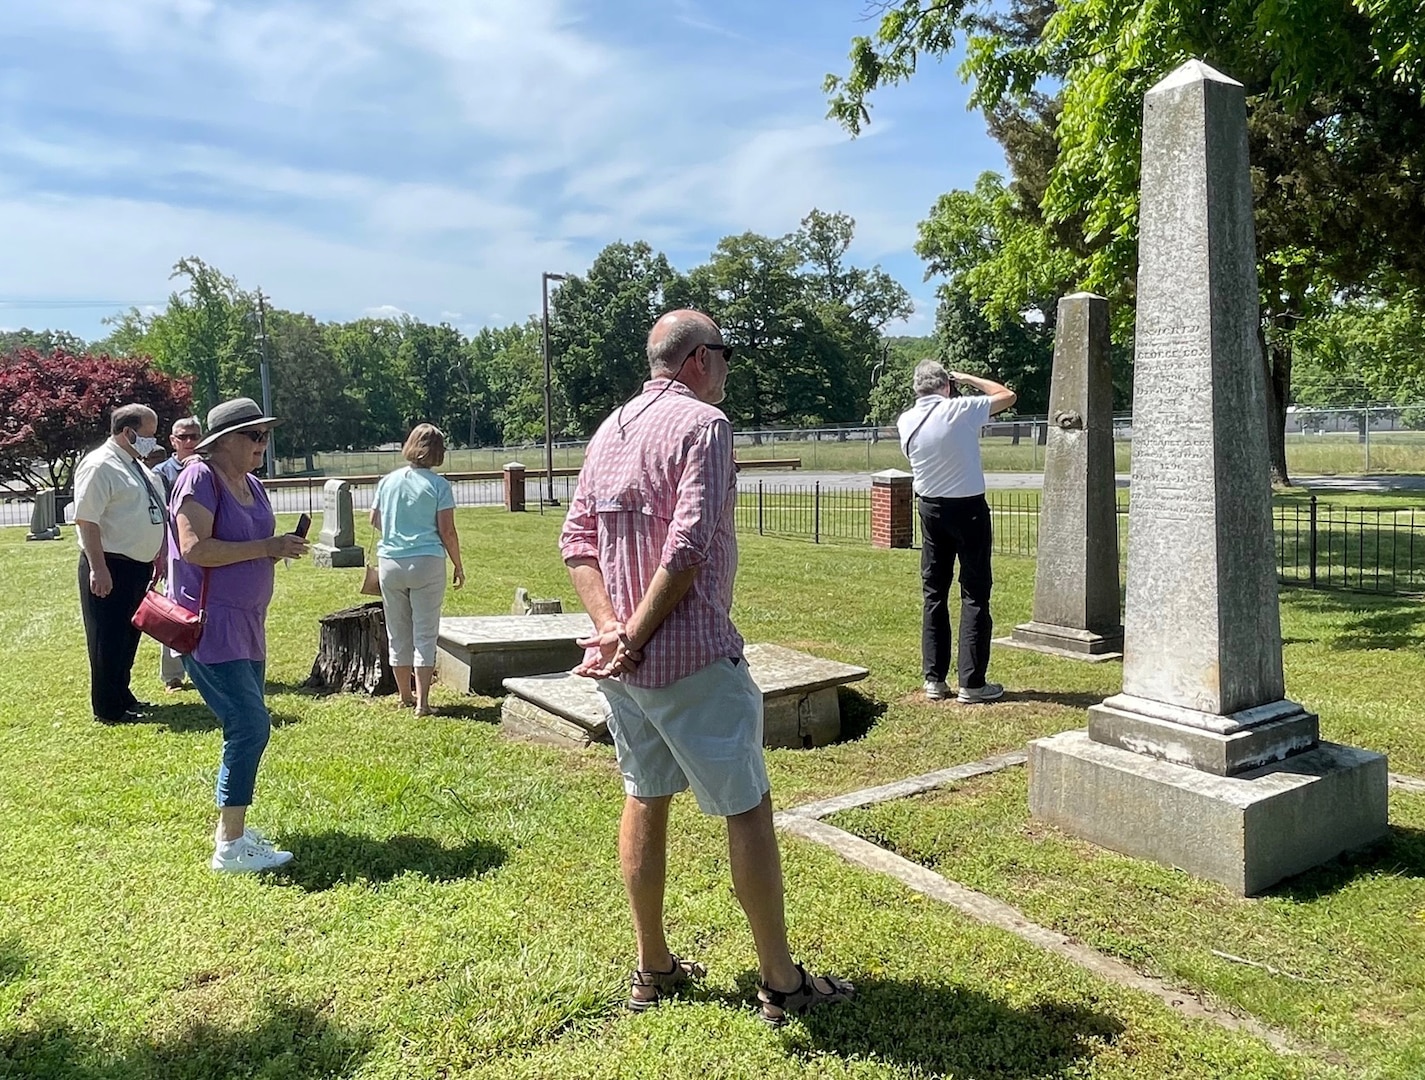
(145, 445)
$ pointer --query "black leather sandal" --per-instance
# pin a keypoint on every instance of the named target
(662, 983)
(774, 1006)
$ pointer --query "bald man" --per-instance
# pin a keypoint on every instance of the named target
(650, 547)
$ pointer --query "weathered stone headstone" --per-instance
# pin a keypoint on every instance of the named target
(336, 545)
(524, 604)
(476, 653)
(1076, 572)
(1202, 763)
(42, 520)
(800, 707)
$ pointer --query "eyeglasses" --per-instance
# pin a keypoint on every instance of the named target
(726, 350)
(257, 436)
(186, 436)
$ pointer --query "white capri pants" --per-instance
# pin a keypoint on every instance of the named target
(412, 591)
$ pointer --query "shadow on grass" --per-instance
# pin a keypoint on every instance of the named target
(859, 714)
(1069, 699)
(13, 961)
(293, 1041)
(1369, 622)
(937, 1029)
(190, 718)
(480, 714)
(323, 860)
(1400, 854)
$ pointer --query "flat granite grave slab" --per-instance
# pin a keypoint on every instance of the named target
(477, 653)
(799, 703)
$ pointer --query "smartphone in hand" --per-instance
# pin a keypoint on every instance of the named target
(304, 526)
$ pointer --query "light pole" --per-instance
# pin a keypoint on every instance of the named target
(266, 382)
(549, 500)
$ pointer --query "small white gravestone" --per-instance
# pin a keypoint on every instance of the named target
(336, 546)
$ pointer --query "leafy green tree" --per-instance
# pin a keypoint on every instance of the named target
(431, 359)
(309, 388)
(512, 362)
(44, 342)
(1336, 97)
(1363, 351)
(598, 329)
(365, 351)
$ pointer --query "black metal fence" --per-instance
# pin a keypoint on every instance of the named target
(1320, 545)
(1364, 549)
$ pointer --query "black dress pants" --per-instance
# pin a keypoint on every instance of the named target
(956, 529)
(111, 635)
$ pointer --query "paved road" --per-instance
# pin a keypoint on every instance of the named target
(295, 500)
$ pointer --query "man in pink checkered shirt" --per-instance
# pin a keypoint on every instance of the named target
(650, 546)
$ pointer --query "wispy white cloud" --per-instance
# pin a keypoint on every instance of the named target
(424, 155)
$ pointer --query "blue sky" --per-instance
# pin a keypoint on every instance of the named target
(434, 156)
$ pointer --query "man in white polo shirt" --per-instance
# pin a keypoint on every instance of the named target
(119, 515)
(940, 435)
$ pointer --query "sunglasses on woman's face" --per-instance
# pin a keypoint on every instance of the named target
(257, 436)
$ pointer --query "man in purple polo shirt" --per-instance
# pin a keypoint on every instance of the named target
(650, 547)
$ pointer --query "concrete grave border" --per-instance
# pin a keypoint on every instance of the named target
(806, 822)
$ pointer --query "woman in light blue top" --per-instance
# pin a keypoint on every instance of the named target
(414, 511)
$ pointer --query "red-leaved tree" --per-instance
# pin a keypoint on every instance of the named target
(55, 408)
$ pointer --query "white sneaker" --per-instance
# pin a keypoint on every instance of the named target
(248, 856)
(937, 690)
(991, 691)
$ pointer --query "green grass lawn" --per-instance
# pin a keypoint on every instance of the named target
(454, 909)
(1307, 455)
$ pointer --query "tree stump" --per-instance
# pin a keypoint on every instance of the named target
(352, 654)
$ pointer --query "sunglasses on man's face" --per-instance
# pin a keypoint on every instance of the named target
(257, 436)
(186, 436)
(726, 350)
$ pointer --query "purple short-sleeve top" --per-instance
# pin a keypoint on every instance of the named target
(238, 594)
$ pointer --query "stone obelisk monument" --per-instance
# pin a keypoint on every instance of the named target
(1076, 572)
(1202, 762)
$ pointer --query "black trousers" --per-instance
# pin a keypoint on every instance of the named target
(112, 638)
(956, 529)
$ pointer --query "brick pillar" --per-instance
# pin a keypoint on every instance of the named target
(514, 487)
(892, 504)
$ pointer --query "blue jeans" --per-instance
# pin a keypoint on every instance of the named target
(234, 690)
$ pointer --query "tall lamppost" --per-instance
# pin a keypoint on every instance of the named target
(549, 500)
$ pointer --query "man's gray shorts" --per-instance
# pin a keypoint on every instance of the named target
(703, 731)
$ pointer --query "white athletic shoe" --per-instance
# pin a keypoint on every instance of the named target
(248, 855)
(937, 690)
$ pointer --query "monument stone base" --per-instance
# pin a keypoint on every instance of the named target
(1222, 745)
(326, 556)
(1245, 832)
(1068, 642)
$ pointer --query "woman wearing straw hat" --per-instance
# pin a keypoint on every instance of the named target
(224, 528)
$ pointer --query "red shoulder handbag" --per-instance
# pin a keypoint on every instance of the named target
(168, 621)
(161, 617)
